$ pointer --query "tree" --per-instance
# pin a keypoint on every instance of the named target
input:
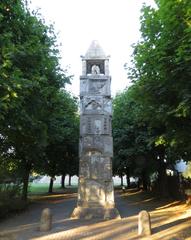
(161, 72)
(62, 132)
(162, 67)
(30, 77)
(133, 138)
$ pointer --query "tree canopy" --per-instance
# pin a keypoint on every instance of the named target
(152, 118)
(35, 111)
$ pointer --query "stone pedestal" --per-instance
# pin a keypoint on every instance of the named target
(95, 190)
(95, 212)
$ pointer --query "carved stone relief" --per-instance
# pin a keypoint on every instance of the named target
(103, 144)
(97, 125)
(81, 190)
(83, 86)
(108, 146)
(109, 192)
(107, 105)
(84, 169)
(95, 191)
(96, 105)
(95, 86)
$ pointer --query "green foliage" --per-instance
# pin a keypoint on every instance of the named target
(162, 68)
(152, 119)
(9, 191)
(9, 199)
(34, 112)
(133, 138)
(187, 173)
(63, 133)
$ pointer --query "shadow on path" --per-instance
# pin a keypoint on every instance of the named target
(25, 226)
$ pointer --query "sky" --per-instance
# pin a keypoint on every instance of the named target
(115, 24)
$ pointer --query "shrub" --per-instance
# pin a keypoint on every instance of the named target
(10, 199)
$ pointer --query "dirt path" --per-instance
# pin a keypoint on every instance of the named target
(170, 220)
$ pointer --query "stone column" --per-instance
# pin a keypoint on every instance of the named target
(95, 191)
(107, 67)
(83, 67)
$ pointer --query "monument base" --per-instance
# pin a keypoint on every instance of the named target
(95, 213)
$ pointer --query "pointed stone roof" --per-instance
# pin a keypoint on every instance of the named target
(95, 51)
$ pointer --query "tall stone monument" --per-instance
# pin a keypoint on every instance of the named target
(95, 190)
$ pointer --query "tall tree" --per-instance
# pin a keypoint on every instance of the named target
(162, 66)
(133, 138)
(62, 133)
(30, 77)
(161, 72)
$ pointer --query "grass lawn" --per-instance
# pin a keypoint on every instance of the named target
(39, 188)
(42, 188)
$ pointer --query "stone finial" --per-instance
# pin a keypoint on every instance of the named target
(46, 220)
(144, 223)
(95, 51)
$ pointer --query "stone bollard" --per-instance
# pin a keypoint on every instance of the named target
(46, 220)
(144, 224)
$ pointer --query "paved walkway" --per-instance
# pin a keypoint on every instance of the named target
(25, 225)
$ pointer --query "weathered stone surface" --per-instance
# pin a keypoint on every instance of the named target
(92, 213)
(95, 191)
(96, 105)
(46, 220)
(95, 51)
(95, 85)
(144, 224)
(95, 125)
(102, 144)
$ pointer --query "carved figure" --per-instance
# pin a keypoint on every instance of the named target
(95, 69)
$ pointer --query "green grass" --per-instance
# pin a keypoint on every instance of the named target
(39, 188)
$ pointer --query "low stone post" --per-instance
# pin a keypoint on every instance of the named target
(144, 224)
(46, 220)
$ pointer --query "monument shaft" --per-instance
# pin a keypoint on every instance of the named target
(95, 190)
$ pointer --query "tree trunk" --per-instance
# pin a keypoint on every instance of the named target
(128, 178)
(69, 180)
(63, 181)
(25, 184)
(138, 182)
(163, 188)
(144, 179)
(50, 190)
(121, 180)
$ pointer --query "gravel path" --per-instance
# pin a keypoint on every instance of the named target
(25, 225)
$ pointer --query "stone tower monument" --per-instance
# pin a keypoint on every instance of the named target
(95, 190)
